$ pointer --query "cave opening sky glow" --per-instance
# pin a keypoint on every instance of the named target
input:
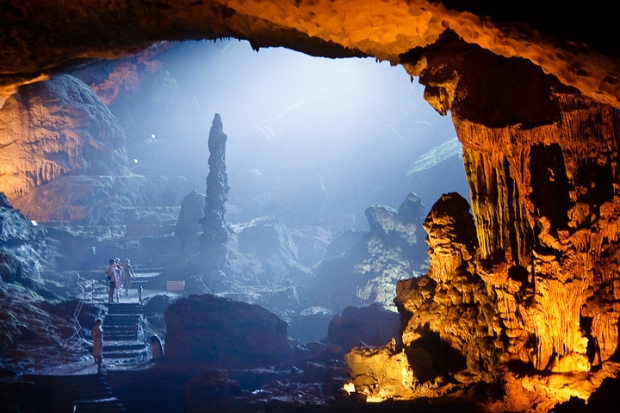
(347, 130)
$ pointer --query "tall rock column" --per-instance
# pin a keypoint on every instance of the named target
(555, 200)
(216, 232)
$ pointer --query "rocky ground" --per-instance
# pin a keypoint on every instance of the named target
(288, 376)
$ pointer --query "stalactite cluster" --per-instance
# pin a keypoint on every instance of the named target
(525, 299)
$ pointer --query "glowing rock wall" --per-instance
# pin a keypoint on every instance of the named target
(527, 297)
(53, 128)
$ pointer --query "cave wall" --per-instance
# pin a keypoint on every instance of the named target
(522, 292)
(548, 206)
(54, 128)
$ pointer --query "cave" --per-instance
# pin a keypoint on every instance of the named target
(515, 308)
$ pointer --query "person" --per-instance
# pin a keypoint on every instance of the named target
(118, 273)
(110, 276)
(97, 334)
(127, 274)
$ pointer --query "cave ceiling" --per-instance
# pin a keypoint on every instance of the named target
(573, 43)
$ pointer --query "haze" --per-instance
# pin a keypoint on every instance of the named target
(314, 141)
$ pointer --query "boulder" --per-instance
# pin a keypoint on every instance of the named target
(266, 237)
(214, 331)
(367, 326)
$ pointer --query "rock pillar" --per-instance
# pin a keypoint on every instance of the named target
(215, 230)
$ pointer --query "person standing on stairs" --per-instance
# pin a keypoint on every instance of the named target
(127, 274)
(110, 276)
(97, 334)
(118, 273)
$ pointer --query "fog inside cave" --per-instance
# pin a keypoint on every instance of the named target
(313, 141)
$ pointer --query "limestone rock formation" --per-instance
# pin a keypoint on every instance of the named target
(267, 237)
(487, 320)
(538, 298)
(103, 200)
(23, 251)
(34, 325)
(322, 28)
(187, 228)
(216, 233)
(214, 221)
(363, 326)
(448, 310)
(219, 332)
(33, 328)
(392, 250)
(54, 128)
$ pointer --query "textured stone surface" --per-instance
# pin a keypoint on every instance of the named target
(215, 331)
(55, 128)
(367, 326)
(103, 200)
(391, 250)
(23, 250)
(526, 295)
(216, 234)
(329, 28)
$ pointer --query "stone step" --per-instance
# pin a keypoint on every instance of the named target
(117, 318)
(120, 335)
(133, 354)
(123, 337)
(121, 344)
(123, 319)
(89, 394)
(122, 324)
(125, 308)
(109, 333)
(110, 405)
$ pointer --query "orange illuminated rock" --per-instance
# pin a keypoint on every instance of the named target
(526, 296)
(55, 128)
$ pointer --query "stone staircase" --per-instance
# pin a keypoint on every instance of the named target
(123, 332)
(144, 277)
(90, 394)
(123, 340)
(80, 393)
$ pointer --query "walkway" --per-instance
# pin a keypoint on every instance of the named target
(77, 387)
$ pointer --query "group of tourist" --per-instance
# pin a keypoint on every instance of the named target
(118, 274)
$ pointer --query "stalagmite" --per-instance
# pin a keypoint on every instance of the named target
(216, 233)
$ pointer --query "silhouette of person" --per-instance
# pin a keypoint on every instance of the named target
(97, 334)
(127, 274)
(110, 276)
(118, 274)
